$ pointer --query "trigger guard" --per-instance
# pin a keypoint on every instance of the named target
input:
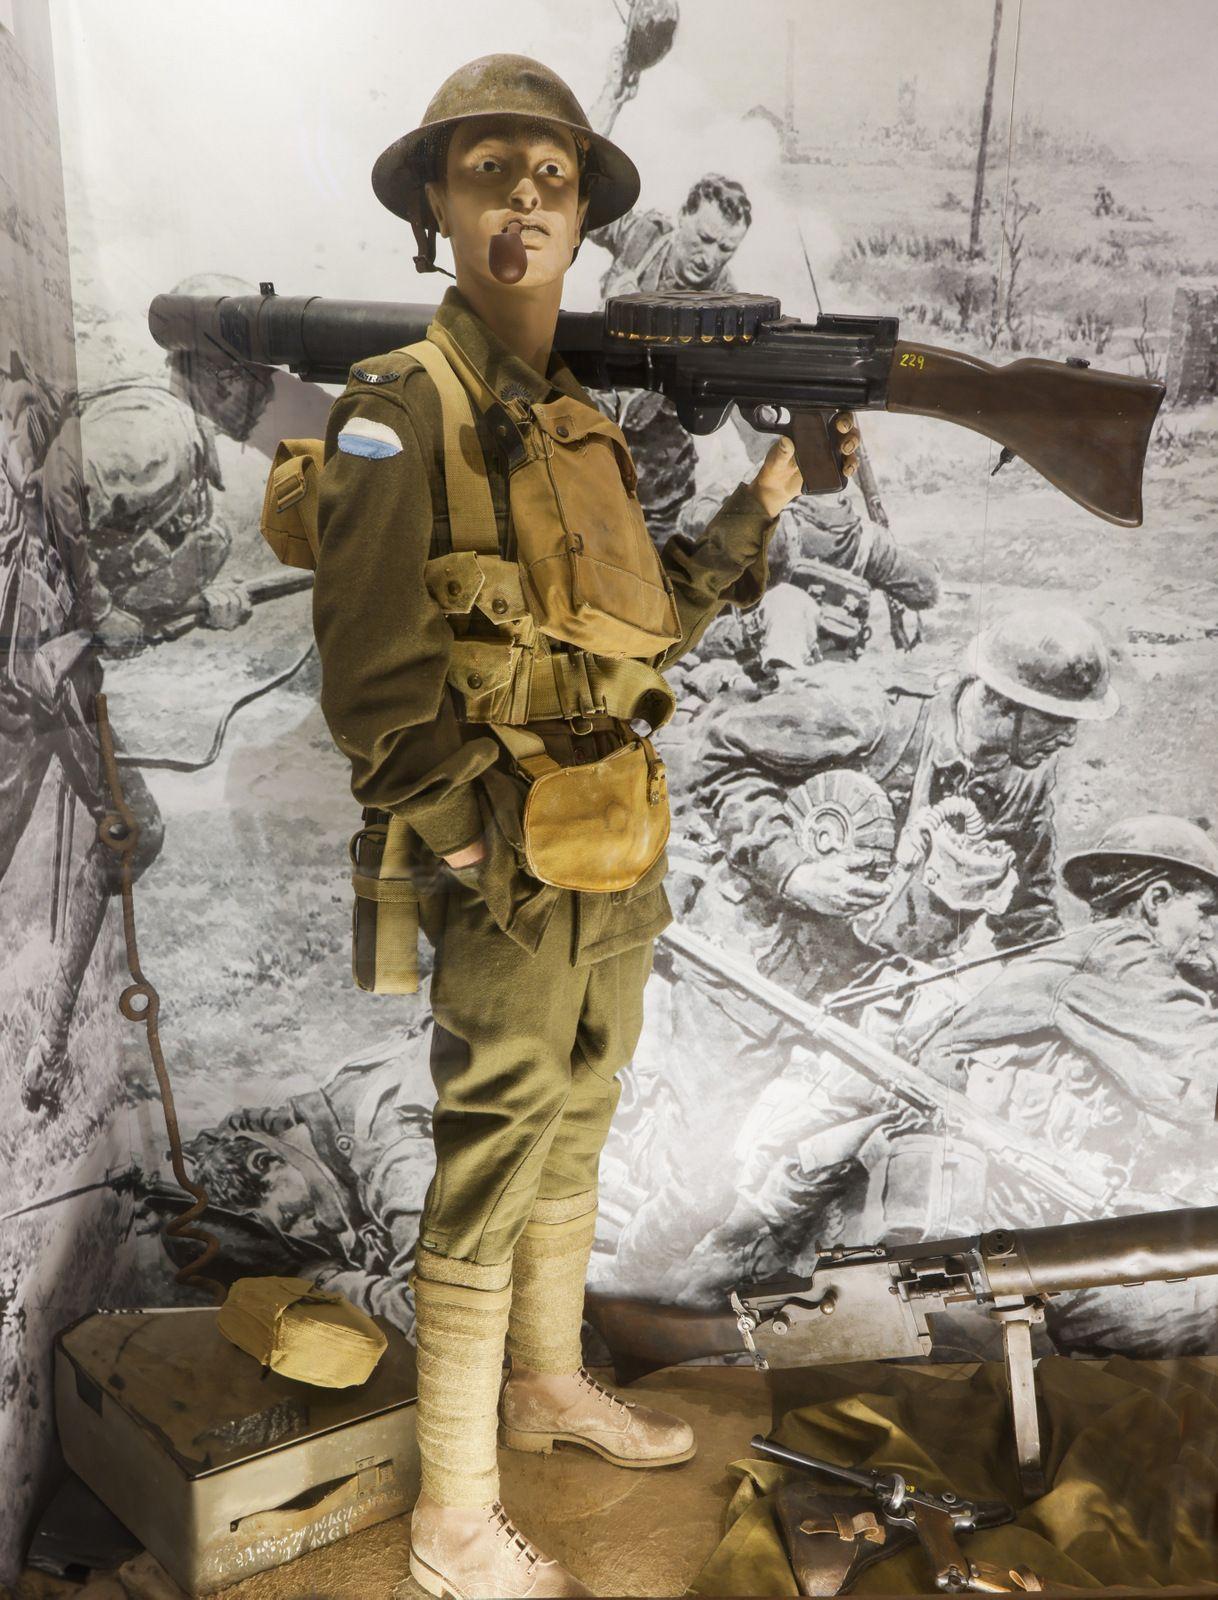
(756, 419)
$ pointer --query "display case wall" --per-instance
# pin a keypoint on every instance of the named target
(224, 150)
(65, 1241)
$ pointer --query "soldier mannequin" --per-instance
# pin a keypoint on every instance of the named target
(537, 990)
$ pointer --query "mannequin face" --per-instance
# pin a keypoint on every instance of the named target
(501, 170)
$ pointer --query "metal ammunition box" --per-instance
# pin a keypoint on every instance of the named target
(220, 1468)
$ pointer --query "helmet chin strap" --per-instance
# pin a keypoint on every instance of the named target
(425, 251)
(1015, 742)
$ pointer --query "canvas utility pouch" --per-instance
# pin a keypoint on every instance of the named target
(385, 914)
(289, 505)
(589, 568)
(596, 827)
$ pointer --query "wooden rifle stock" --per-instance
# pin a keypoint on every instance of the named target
(1086, 432)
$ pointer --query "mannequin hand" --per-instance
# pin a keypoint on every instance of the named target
(779, 479)
(470, 856)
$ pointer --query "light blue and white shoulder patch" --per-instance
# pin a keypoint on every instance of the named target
(364, 437)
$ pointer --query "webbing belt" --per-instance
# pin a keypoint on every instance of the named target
(527, 686)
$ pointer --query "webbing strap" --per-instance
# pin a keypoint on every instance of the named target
(478, 390)
(395, 861)
(526, 749)
(386, 891)
(471, 511)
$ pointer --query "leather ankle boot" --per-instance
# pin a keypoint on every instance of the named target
(538, 1410)
(477, 1553)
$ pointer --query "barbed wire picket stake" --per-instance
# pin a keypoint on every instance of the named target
(119, 832)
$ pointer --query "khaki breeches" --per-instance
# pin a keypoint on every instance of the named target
(525, 1053)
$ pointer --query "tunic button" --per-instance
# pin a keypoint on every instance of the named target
(562, 431)
(453, 586)
(474, 680)
(499, 605)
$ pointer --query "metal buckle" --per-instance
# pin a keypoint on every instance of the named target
(295, 492)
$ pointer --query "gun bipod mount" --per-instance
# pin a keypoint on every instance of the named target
(870, 1302)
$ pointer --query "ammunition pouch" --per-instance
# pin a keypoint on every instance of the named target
(515, 676)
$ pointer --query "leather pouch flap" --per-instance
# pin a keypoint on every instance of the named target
(598, 827)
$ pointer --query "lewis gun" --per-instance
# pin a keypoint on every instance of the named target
(1085, 431)
(872, 1302)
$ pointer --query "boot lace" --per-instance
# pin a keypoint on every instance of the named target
(601, 1393)
(505, 1527)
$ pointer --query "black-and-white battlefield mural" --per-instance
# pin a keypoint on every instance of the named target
(950, 779)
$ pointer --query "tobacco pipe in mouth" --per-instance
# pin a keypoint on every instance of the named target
(508, 258)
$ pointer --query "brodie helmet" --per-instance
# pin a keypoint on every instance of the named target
(1142, 843)
(1050, 658)
(508, 86)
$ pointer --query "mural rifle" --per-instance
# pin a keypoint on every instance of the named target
(1085, 431)
(268, 586)
(871, 1302)
(1070, 1183)
(867, 994)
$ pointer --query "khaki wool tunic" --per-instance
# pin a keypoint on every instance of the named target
(385, 644)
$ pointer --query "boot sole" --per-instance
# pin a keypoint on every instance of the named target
(428, 1578)
(542, 1444)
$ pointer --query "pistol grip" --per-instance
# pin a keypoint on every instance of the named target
(816, 450)
(936, 1531)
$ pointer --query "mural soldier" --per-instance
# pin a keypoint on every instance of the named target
(1104, 1027)
(113, 544)
(331, 1181)
(980, 749)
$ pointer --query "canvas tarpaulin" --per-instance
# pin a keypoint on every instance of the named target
(1131, 1452)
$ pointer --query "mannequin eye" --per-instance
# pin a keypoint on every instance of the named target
(552, 169)
(487, 164)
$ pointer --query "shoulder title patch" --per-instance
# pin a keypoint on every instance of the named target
(364, 376)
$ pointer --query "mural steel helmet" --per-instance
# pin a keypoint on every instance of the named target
(1049, 658)
(508, 86)
(1142, 843)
